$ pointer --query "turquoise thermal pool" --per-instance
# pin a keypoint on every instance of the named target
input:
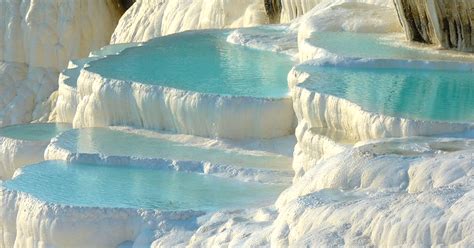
(410, 93)
(73, 72)
(90, 185)
(112, 142)
(377, 46)
(34, 132)
(201, 62)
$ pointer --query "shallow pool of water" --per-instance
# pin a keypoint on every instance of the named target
(34, 132)
(131, 187)
(200, 61)
(381, 46)
(415, 94)
(122, 143)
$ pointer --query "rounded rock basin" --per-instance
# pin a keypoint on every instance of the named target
(149, 144)
(34, 132)
(420, 94)
(200, 62)
(88, 185)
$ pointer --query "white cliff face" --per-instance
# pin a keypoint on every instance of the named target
(292, 9)
(148, 19)
(37, 39)
(444, 23)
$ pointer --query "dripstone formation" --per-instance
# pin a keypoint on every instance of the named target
(447, 23)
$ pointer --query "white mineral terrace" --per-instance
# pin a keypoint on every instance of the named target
(326, 130)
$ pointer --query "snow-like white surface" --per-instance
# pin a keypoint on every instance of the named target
(350, 198)
(383, 193)
(148, 19)
(15, 154)
(37, 38)
(109, 102)
(373, 194)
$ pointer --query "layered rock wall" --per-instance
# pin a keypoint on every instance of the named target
(447, 23)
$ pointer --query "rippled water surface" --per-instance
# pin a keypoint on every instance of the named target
(203, 62)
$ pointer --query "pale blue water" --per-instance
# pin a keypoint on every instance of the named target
(34, 132)
(416, 94)
(73, 73)
(128, 187)
(201, 61)
(121, 143)
(378, 46)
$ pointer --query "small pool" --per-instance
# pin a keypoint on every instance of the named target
(200, 61)
(124, 143)
(381, 46)
(34, 131)
(91, 185)
(416, 94)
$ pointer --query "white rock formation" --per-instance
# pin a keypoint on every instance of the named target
(37, 39)
(109, 102)
(148, 19)
(343, 16)
(16, 153)
(291, 9)
(23, 218)
(384, 193)
(444, 23)
(375, 194)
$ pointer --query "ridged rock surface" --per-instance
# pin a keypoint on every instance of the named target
(447, 23)
(37, 39)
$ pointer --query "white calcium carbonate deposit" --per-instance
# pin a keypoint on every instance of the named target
(374, 194)
(16, 153)
(37, 38)
(109, 102)
(356, 184)
(148, 19)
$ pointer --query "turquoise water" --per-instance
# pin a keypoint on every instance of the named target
(120, 143)
(113, 49)
(415, 94)
(34, 132)
(377, 46)
(128, 187)
(73, 73)
(203, 62)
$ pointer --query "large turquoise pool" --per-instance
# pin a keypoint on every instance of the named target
(381, 46)
(34, 132)
(131, 187)
(124, 143)
(200, 61)
(410, 93)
